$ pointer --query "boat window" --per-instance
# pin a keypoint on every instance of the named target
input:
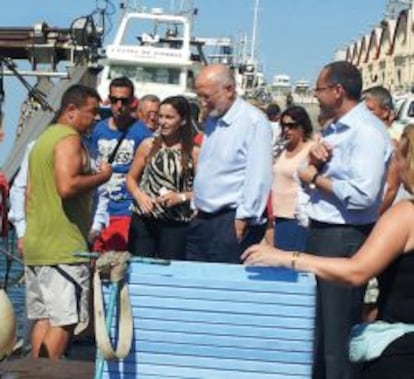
(146, 74)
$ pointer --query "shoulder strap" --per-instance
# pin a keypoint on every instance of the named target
(118, 144)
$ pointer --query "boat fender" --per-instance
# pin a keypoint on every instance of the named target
(8, 325)
(113, 265)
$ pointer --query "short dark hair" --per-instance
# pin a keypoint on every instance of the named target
(272, 110)
(301, 116)
(347, 75)
(123, 81)
(76, 95)
(382, 95)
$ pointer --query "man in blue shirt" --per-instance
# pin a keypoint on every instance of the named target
(234, 172)
(346, 175)
(118, 138)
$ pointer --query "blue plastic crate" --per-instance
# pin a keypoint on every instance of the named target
(218, 321)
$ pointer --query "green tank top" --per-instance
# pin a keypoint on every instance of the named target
(55, 228)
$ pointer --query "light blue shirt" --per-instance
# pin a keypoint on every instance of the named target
(235, 163)
(17, 195)
(361, 152)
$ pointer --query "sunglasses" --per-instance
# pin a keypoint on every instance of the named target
(123, 100)
(290, 125)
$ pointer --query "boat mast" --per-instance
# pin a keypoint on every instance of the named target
(254, 32)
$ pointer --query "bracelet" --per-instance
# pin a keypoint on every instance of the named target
(295, 256)
(183, 197)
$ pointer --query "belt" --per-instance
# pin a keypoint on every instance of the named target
(325, 225)
(207, 215)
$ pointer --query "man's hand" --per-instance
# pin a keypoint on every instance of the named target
(20, 245)
(92, 236)
(106, 169)
(240, 227)
(319, 154)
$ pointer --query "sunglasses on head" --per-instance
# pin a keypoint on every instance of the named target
(123, 100)
(290, 125)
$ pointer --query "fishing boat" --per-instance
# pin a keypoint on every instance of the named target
(156, 51)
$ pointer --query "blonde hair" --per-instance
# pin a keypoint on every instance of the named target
(407, 150)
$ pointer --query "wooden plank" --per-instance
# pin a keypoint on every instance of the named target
(213, 363)
(271, 344)
(281, 333)
(213, 317)
(165, 371)
(215, 351)
(164, 291)
(204, 305)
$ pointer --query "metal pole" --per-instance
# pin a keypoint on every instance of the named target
(253, 46)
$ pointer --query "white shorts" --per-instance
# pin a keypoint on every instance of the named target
(59, 293)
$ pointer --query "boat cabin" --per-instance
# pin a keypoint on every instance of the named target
(156, 51)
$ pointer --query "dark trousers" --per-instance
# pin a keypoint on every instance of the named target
(149, 237)
(212, 238)
(289, 235)
(338, 307)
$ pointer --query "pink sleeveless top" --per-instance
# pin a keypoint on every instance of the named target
(285, 183)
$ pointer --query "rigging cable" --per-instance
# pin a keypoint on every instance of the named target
(34, 92)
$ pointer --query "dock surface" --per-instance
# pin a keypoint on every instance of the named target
(30, 368)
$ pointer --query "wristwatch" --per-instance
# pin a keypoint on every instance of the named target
(312, 184)
(183, 197)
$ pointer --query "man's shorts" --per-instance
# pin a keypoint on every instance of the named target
(115, 236)
(59, 293)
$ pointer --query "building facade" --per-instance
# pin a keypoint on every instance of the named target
(385, 55)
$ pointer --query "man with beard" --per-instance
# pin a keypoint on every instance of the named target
(346, 175)
(234, 172)
(116, 139)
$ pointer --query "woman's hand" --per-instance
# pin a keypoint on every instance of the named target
(170, 199)
(263, 255)
(145, 202)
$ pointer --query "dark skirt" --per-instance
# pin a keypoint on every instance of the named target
(396, 362)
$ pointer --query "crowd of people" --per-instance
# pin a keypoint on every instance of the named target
(256, 186)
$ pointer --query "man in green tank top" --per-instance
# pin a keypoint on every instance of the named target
(58, 214)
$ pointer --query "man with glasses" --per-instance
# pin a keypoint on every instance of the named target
(148, 111)
(234, 171)
(346, 175)
(116, 140)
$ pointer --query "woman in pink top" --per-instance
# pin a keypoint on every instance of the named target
(297, 131)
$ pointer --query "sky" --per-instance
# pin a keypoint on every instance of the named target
(294, 37)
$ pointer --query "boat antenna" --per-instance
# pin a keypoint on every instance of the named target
(254, 32)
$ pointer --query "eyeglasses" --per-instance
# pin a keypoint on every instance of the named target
(123, 100)
(290, 125)
(320, 89)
